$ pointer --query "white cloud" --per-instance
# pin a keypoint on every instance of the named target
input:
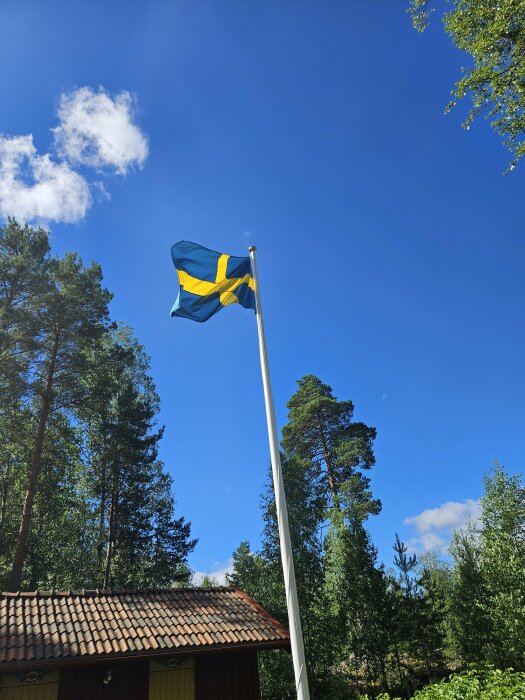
(94, 130)
(218, 574)
(428, 542)
(36, 188)
(99, 131)
(436, 525)
(450, 514)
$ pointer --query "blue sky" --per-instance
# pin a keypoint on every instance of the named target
(390, 244)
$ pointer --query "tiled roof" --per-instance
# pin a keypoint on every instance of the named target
(79, 625)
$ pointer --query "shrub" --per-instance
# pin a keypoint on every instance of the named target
(474, 684)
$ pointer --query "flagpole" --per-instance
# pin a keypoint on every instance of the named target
(296, 635)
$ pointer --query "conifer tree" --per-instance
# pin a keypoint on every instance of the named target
(334, 449)
(82, 490)
(139, 540)
(24, 266)
(417, 629)
(340, 588)
(73, 318)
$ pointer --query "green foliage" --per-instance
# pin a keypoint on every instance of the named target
(471, 626)
(333, 448)
(489, 591)
(503, 565)
(208, 582)
(139, 542)
(368, 630)
(493, 34)
(328, 499)
(84, 499)
(357, 593)
(365, 629)
(475, 684)
(420, 12)
(260, 575)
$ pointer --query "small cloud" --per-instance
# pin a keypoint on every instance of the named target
(37, 188)
(218, 574)
(428, 542)
(436, 525)
(99, 131)
(101, 190)
(383, 396)
(94, 130)
(450, 514)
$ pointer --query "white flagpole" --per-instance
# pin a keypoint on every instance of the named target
(296, 635)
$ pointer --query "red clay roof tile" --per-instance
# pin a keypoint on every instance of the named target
(53, 625)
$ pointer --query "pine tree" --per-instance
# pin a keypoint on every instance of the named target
(170, 543)
(83, 495)
(341, 590)
(139, 542)
(61, 538)
(418, 634)
(321, 432)
(24, 267)
(73, 318)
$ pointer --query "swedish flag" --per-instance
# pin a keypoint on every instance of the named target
(209, 281)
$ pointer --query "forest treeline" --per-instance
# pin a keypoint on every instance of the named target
(370, 629)
(85, 500)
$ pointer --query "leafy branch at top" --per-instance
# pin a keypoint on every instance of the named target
(493, 34)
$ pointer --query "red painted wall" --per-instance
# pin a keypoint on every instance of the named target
(229, 675)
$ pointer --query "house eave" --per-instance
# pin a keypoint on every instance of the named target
(93, 659)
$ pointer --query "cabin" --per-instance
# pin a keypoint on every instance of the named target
(177, 644)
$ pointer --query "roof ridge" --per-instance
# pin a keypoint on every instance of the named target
(93, 592)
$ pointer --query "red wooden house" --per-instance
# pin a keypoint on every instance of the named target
(179, 644)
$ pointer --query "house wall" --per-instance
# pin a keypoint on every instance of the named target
(129, 681)
(230, 675)
(45, 687)
(172, 680)
(227, 675)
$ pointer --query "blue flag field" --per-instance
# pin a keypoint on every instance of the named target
(209, 281)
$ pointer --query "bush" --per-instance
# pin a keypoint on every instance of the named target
(475, 684)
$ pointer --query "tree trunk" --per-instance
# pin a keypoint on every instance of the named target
(400, 673)
(384, 674)
(111, 533)
(5, 325)
(15, 578)
(329, 467)
(102, 519)
(3, 508)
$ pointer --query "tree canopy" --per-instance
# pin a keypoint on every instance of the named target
(493, 34)
(84, 499)
(368, 628)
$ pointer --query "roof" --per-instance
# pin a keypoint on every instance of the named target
(43, 627)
